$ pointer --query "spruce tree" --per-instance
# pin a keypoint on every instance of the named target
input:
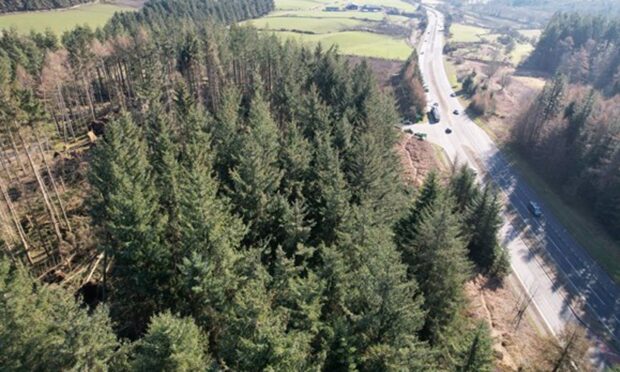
(477, 355)
(171, 344)
(406, 229)
(464, 187)
(257, 335)
(440, 265)
(329, 195)
(375, 311)
(483, 222)
(42, 327)
(125, 210)
(256, 178)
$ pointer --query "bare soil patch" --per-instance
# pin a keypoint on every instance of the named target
(418, 158)
(516, 345)
(383, 69)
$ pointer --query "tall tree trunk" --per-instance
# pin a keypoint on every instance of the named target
(46, 198)
(51, 176)
(15, 219)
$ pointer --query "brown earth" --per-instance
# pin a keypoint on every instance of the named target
(418, 158)
(383, 69)
(516, 345)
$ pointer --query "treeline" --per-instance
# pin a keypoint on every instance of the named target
(583, 47)
(8, 6)
(410, 89)
(572, 136)
(161, 14)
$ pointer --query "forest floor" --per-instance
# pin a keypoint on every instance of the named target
(354, 33)
(61, 20)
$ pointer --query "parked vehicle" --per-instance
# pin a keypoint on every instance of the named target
(455, 112)
(420, 136)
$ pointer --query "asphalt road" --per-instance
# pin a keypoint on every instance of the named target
(565, 282)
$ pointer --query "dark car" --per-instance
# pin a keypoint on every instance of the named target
(534, 209)
(455, 112)
(448, 130)
(453, 95)
(436, 104)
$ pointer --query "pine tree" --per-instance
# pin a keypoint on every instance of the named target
(166, 168)
(483, 222)
(42, 327)
(329, 195)
(374, 178)
(374, 310)
(257, 176)
(439, 263)
(257, 335)
(171, 344)
(477, 356)
(406, 229)
(226, 134)
(125, 210)
(464, 187)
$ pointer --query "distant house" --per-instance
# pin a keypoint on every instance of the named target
(352, 6)
(332, 9)
(372, 8)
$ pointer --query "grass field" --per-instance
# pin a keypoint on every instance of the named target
(356, 43)
(299, 4)
(59, 21)
(313, 25)
(466, 34)
(307, 22)
(520, 52)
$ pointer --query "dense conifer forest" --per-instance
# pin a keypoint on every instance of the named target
(241, 207)
(8, 6)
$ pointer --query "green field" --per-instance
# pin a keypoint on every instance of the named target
(312, 25)
(357, 43)
(323, 15)
(308, 23)
(299, 4)
(61, 20)
(466, 34)
(520, 52)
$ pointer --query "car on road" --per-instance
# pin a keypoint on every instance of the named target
(534, 209)
(452, 95)
(409, 130)
(436, 104)
(407, 122)
(455, 112)
(448, 130)
(433, 115)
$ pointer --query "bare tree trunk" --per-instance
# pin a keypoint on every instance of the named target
(46, 198)
(51, 176)
(14, 146)
(15, 219)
